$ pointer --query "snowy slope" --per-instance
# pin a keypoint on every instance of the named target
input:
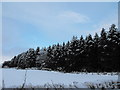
(14, 78)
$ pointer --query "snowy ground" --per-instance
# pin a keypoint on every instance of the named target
(15, 78)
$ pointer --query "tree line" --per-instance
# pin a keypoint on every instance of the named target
(98, 53)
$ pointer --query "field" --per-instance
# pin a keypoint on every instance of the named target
(13, 78)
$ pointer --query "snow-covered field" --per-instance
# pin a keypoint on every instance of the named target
(15, 78)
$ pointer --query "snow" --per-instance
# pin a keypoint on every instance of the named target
(15, 78)
(119, 77)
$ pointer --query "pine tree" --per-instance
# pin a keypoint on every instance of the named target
(63, 57)
(66, 57)
(113, 51)
(49, 57)
(37, 51)
(31, 58)
(73, 53)
(89, 51)
(97, 64)
(81, 54)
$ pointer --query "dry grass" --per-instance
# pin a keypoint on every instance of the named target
(90, 86)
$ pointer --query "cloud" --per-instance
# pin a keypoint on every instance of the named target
(63, 23)
(73, 17)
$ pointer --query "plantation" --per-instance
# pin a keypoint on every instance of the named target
(91, 54)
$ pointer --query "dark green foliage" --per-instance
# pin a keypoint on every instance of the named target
(92, 54)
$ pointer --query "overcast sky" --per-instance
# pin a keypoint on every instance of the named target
(28, 25)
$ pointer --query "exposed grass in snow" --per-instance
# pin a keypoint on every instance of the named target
(110, 85)
(103, 86)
